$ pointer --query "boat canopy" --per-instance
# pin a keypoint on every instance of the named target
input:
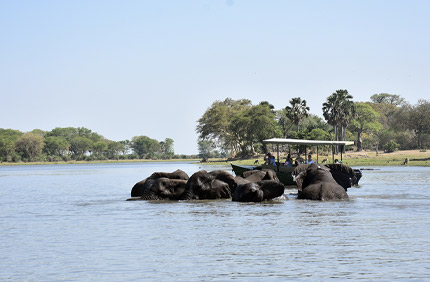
(306, 142)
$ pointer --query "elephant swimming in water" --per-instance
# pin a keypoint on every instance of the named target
(315, 182)
(161, 185)
(344, 175)
(257, 186)
(217, 184)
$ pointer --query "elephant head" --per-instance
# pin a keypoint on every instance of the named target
(258, 191)
(217, 184)
(144, 186)
(315, 182)
(343, 174)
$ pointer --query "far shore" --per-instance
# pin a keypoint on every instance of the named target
(96, 162)
(363, 158)
(350, 158)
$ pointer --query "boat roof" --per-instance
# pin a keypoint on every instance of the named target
(306, 142)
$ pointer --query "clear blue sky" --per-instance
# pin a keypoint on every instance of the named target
(129, 68)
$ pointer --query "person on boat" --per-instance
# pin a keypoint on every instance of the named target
(271, 159)
(299, 160)
(309, 160)
(289, 161)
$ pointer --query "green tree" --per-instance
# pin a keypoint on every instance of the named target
(166, 148)
(100, 148)
(205, 147)
(29, 146)
(215, 124)
(366, 120)
(114, 149)
(385, 98)
(297, 111)
(56, 146)
(8, 138)
(338, 110)
(79, 146)
(419, 121)
(145, 147)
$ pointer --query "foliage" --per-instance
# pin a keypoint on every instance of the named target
(385, 98)
(29, 146)
(338, 111)
(391, 146)
(145, 147)
(8, 139)
(365, 121)
(297, 111)
(205, 147)
(215, 124)
(56, 146)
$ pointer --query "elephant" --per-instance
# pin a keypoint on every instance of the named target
(315, 182)
(258, 191)
(217, 184)
(162, 188)
(344, 175)
(257, 186)
(257, 175)
(142, 188)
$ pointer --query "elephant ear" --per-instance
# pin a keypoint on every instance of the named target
(271, 189)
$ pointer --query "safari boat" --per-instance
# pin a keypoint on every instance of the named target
(284, 172)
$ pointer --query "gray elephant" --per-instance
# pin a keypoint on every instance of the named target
(315, 182)
(257, 186)
(344, 175)
(217, 184)
(161, 185)
(258, 191)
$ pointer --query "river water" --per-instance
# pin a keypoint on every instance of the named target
(72, 223)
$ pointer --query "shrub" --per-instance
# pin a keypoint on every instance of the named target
(391, 146)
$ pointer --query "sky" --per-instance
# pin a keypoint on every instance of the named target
(130, 68)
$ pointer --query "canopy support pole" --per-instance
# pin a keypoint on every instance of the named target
(317, 154)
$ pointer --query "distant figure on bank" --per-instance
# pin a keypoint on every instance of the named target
(406, 161)
(309, 160)
(336, 161)
(299, 160)
(289, 160)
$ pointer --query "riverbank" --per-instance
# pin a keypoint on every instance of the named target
(364, 158)
(96, 162)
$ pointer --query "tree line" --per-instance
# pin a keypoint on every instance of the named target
(64, 144)
(386, 122)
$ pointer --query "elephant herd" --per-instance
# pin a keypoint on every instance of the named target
(314, 182)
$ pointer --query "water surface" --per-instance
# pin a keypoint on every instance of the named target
(71, 222)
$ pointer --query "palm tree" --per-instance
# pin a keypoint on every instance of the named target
(338, 111)
(298, 111)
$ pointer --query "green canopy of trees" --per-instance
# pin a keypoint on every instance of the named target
(69, 143)
(238, 128)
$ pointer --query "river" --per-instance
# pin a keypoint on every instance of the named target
(72, 223)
